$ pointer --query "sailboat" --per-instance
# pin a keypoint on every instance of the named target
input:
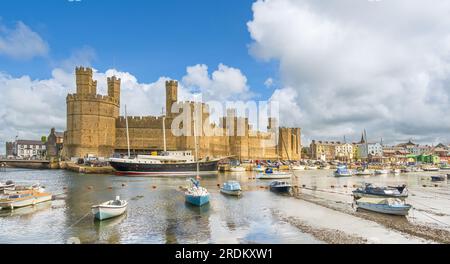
(196, 195)
(167, 163)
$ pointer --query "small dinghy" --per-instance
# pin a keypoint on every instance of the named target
(280, 186)
(6, 185)
(391, 206)
(362, 172)
(297, 167)
(270, 174)
(110, 209)
(237, 169)
(369, 190)
(26, 198)
(438, 178)
(379, 172)
(231, 188)
(196, 194)
(342, 171)
(258, 168)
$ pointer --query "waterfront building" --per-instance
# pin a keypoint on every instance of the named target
(54, 143)
(30, 149)
(95, 127)
(323, 150)
(344, 152)
(10, 149)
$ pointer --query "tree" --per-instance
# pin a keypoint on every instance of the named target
(44, 139)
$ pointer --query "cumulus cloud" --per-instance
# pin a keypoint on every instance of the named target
(379, 65)
(21, 42)
(224, 83)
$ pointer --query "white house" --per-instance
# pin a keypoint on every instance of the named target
(372, 149)
(30, 149)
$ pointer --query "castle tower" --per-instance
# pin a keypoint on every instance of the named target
(85, 83)
(171, 95)
(114, 92)
(91, 118)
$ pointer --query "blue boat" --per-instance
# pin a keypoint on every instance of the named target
(196, 194)
(231, 188)
(342, 171)
(280, 186)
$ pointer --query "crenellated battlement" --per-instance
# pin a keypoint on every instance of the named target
(140, 122)
(83, 71)
(171, 83)
(113, 79)
(92, 97)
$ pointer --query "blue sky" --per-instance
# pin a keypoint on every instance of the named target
(146, 38)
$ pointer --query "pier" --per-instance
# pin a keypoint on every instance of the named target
(26, 164)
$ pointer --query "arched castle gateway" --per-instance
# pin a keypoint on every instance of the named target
(94, 127)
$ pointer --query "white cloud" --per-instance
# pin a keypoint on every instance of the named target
(21, 42)
(360, 64)
(223, 84)
(269, 82)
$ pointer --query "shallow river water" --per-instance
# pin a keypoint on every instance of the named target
(157, 212)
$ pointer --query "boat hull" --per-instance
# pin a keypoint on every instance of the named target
(231, 192)
(343, 174)
(385, 209)
(280, 189)
(197, 200)
(25, 202)
(102, 213)
(142, 169)
(359, 195)
(271, 176)
(238, 169)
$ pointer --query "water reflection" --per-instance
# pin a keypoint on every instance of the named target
(157, 212)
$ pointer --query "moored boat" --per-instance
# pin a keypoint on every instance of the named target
(297, 167)
(342, 171)
(391, 206)
(382, 171)
(280, 186)
(24, 199)
(259, 168)
(109, 209)
(363, 172)
(438, 178)
(396, 171)
(369, 190)
(237, 169)
(430, 168)
(6, 185)
(162, 165)
(270, 174)
(231, 188)
(196, 195)
(311, 167)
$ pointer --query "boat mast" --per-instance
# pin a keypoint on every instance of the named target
(128, 135)
(164, 132)
(195, 141)
(367, 145)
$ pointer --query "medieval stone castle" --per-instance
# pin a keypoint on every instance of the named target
(94, 127)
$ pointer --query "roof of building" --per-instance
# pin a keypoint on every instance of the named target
(29, 142)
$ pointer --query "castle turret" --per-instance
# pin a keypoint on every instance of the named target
(114, 92)
(85, 83)
(171, 95)
(91, 117)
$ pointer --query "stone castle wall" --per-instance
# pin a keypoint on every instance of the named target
(95, 127)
